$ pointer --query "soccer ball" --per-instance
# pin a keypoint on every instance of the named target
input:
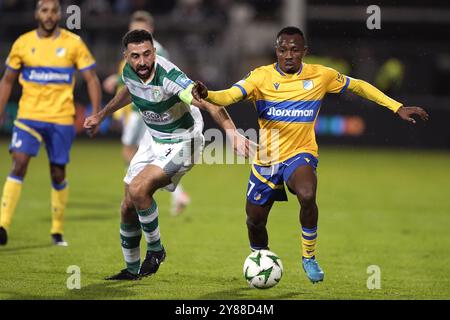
(263, 269)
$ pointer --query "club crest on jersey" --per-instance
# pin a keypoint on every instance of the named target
(60, 52)
(157, 95)
(308, 84)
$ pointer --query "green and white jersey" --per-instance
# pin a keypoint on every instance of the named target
(166, 115)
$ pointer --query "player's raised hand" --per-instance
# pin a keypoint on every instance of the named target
(92, 124)
(406, 113)
(199, 91)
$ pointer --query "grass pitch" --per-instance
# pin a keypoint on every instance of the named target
(377, 207)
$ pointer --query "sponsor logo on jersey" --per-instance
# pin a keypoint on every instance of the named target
(153, 117)
(290, 113)
(276, 85)
(47, 75)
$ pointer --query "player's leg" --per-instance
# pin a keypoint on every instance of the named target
(58, 141)
(256, 224)
(265, 186)
(11, 192)
(25, 144)
(133, 130)
(141, 190)
(59, 197)
(302, 180)
(157, 165)
(130, 236)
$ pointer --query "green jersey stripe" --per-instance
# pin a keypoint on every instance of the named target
(159, 107)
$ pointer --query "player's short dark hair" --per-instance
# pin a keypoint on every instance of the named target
(136, 36)
(291, 31)
(39, 2)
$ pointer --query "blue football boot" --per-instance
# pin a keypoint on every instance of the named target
(313, 270)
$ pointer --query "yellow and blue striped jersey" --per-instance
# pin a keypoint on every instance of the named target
(288, 105)
(47, 67)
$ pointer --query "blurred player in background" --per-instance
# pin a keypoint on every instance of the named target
(45, 59)
(172, 142)
(133, 125)
(287, 96)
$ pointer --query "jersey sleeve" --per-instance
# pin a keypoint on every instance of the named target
(226, 97)
(176, 81)
(368, 91)
(335, 81)
(14, 60)
(84, 59)
(250, 83)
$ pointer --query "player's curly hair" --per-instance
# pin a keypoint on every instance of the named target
(136, 36)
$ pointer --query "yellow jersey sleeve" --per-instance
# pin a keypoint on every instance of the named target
(251, 83)
(243, 89)
(84, 59)
(14, 60)
(368, 91)
(335, 81)
(225, 97)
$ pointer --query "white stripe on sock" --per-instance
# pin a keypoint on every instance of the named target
(131, 255)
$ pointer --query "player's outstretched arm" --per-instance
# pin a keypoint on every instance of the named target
(6, 85)
(368, 91)
(222, 97)
(241, 145)
(120, 100)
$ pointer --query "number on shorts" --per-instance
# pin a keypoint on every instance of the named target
(169, 151)
(252, 185)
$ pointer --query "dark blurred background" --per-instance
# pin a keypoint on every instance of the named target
(219, 41)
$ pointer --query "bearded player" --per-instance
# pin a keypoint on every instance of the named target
(172, 142)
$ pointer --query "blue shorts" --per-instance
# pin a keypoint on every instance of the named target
(28, 135)
(267, 182)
